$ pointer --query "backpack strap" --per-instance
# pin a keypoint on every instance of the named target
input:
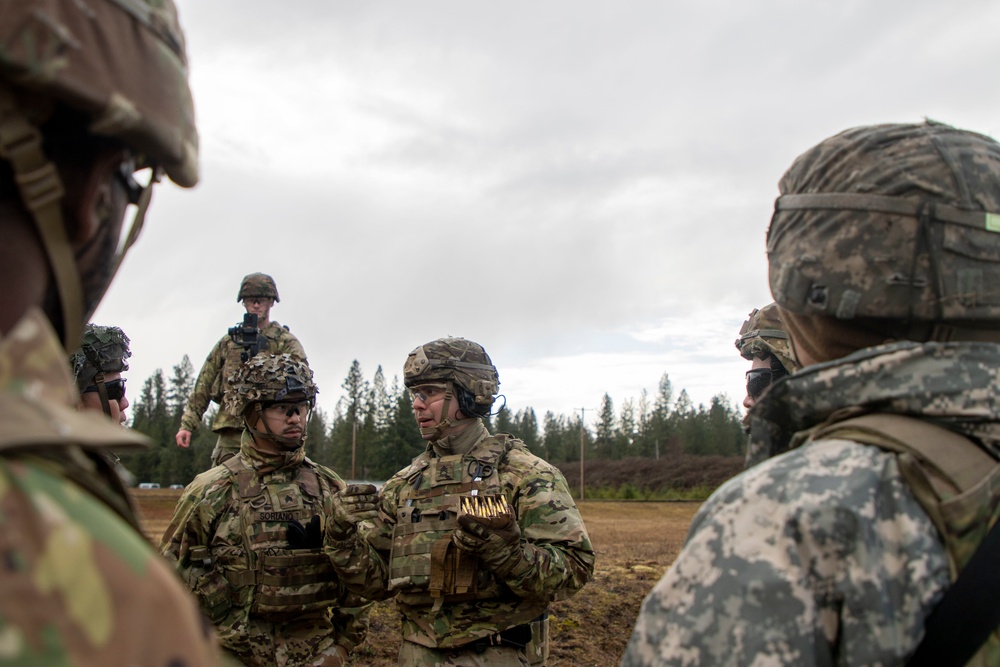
(956, 483)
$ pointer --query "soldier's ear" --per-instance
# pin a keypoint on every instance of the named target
(94, 200)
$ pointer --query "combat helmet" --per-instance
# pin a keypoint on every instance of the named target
(266, 379)
(259, 285)
(763, 333)
(54, 54)
(460, 362)
(896, 223)
(104, 350)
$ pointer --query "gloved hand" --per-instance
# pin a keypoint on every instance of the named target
(495, 540)
(357, 502)
(305, 537)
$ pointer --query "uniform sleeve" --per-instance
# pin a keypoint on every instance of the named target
(186, 545)
(361, 566)
(558, 556)
(202, 394)
(287, 343)
(818, 557)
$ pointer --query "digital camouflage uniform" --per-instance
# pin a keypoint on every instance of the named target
(220, 364)
(836, 550)
(451, 603)
(272, 604)
(81, 586)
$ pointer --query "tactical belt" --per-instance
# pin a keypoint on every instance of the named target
(518, 636)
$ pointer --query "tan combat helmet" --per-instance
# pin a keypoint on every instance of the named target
(764, 333)
(458, 361)
(258, 285)
(58, 54)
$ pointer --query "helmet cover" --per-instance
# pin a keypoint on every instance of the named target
(896, 222)
(104, 350)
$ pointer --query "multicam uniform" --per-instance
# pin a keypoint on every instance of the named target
(219, 365)
(80, 585)
(823, 555)
(447, 599)
(271, 605)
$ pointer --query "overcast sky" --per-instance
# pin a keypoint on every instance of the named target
(582, 187)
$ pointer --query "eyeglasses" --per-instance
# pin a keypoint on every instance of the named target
(758, 379)
(427, 392)
(114, 388)
(288, 408)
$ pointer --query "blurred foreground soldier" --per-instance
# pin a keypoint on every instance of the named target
(764, 342)
(843, 549)
(247, 536)
(479, 534)
(80, 585)
(97, 366)
(258, 293)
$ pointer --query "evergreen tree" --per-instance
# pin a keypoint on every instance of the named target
(606, 437)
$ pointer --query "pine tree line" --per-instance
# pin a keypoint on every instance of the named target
(372, 433)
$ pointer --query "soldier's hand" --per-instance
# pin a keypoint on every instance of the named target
(356, 503)
(305, 537)
(495, 540)
(183, 438)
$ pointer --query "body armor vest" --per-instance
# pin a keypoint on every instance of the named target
(424, 565)
(953, 479)
(274, 580)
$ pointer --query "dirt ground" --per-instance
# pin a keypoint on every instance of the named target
(635, 542)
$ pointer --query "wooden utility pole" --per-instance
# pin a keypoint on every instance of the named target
(354, 447)
(583, 411)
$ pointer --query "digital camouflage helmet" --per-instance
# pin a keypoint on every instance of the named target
(892, 222)
(104, 350)
(764, 334)
(55, 55)
(258, 285)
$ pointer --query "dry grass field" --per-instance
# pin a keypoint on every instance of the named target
(635, 543)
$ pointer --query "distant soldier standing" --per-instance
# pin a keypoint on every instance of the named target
(248, 535)
(764, 341)
(258, 293)
(89, 92)
(479, 535)
(884, 256)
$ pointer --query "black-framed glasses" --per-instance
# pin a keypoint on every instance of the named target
(114, 388)
(288, 408)
(758, 379)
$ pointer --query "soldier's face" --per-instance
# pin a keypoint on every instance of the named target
(92, 400)
(429, 409)
(758, 364)
(259, 306)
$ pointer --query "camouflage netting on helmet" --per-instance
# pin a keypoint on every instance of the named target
(457, 360)
(104, 349)
(891, 221)
(259, 285)
(137, 91)
(267, 378)
(764, 334)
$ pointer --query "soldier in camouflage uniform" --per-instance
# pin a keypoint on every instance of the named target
(258, 293)
(97, 366)
(764, 342)
(80, 585)
(884, 257)
(479, 535)
(248, 535)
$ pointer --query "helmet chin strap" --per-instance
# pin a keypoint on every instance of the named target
(437, 431)
(289, 444)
